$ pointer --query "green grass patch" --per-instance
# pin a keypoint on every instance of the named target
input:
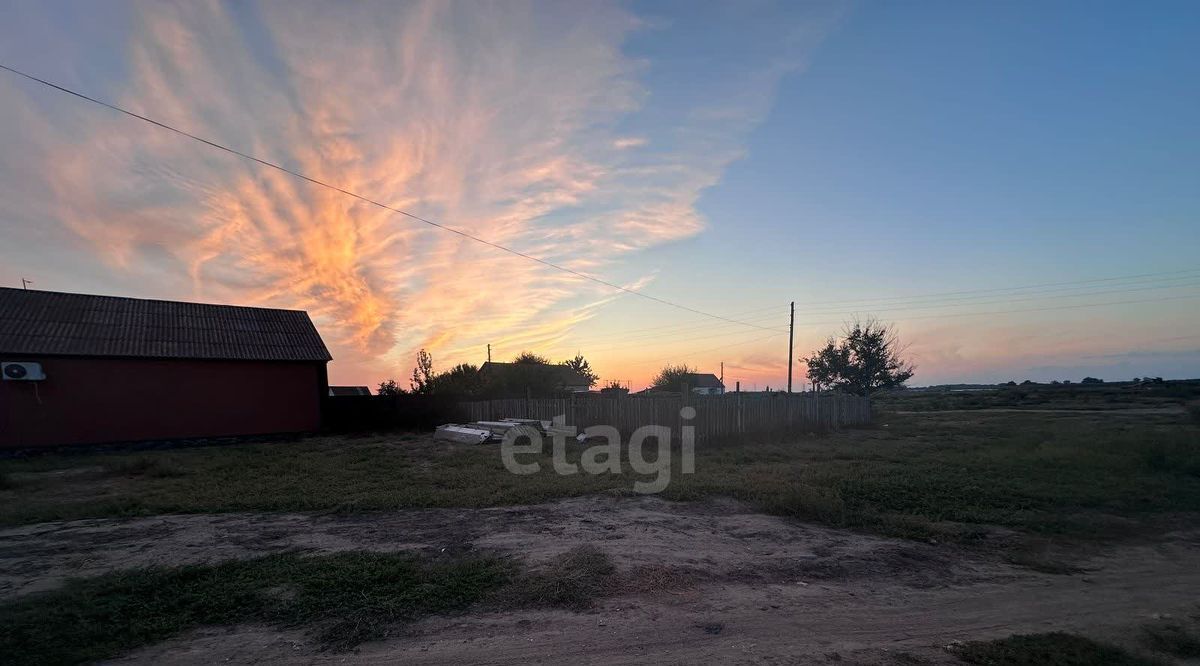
(344, 599)
(928, 475)
(1051, 649)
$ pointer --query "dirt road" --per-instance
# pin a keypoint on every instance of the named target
(701, 582)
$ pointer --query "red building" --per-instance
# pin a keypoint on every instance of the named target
(81, 369)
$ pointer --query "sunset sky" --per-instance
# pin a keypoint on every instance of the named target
(1014, 185)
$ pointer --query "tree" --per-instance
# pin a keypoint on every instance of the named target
(1091, 380)
(529, 374)
(530, 358)
(422, 375)
(462, 380)
(865, 360)
(672, 377)
(390, 387)
(579, 364)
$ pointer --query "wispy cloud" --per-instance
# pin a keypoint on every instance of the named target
(497, 119)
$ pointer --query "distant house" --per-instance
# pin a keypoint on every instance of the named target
(335, 391)
(699, 383)
(81, 369)
(705, 383)
(517, 376)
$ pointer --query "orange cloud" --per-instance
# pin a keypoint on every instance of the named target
(482, 116)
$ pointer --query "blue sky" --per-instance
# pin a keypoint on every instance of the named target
(860, 159)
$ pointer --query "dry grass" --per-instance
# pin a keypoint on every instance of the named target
(946, 476)
(572, 580)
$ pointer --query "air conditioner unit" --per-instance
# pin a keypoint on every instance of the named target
(22, 372)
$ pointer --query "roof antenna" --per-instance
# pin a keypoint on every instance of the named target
(25, 283)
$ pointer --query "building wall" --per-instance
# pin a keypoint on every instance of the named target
(91, 400)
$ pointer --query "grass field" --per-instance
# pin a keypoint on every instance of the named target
(345, 599)
(945, 474)
(1004, 479)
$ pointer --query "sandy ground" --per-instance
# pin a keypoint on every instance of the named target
(709, 582)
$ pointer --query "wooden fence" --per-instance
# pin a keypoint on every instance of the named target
(715, 416)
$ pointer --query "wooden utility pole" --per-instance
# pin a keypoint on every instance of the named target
(489, 352)
(791, 339)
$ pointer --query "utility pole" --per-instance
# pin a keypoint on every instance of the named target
(791, 338)
(722, 374)
(489, 352)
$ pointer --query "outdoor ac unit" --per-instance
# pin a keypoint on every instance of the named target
(22, 372)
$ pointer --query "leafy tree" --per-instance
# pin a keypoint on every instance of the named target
(390, 387)
(422, 375)
(529, 374)
(463, 379)
(865, 360)
(613, 384)
(530, 358)
(672, 377)
(579, 364)
(1091, 380)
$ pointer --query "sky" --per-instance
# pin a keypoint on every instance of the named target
(1015, 187)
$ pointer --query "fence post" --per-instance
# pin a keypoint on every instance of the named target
(817, 410)
(684, 398)
(741, 423)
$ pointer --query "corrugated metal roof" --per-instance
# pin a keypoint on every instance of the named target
(57, 323)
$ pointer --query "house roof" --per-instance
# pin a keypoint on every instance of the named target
(703, 380)
(560, 374)
(62, 324)
(349, 390)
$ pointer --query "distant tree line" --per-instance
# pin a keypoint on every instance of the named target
(529, 374)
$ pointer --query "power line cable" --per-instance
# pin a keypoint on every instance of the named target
(1000, 289)
(705, 351)
(621, 347)
(1054, 308)
(370, 201)
(1037, 297)
(675, 330)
